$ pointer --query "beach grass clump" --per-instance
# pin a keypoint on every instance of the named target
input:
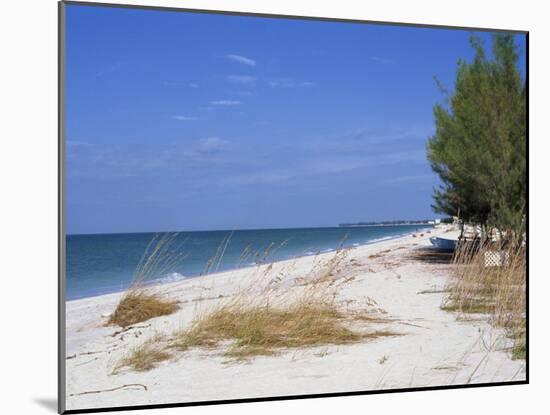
(144, 357)
(262, 319)
(492, 287)
(262, 330)
(263, 322)
(141, 302)
(138, 305)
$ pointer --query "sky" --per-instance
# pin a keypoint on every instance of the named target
(186, 121)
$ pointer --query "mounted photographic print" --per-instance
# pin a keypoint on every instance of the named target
(260, 207)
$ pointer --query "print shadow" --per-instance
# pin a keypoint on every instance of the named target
(48, 403)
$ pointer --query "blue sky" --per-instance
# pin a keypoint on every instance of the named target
(180, 121)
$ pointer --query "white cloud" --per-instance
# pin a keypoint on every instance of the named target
(211, 144)
(226, 102)
(185, 84)
(242, 79)
(289, 83)
(241, 59)
(184, 118)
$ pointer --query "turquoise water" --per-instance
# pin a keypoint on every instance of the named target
(100, 264)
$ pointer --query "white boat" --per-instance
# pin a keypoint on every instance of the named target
(443, 243)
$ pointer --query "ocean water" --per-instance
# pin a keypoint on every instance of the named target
(105, 263)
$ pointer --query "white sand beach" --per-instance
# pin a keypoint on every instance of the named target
(398, 280)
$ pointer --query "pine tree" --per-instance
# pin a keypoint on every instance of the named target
(479, 146)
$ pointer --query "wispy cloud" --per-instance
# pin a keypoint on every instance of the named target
(225, 102)
(411, 178)
(211, 145)
(241, 59)
(184, 118)
(381, 60)
(185, 84)
(125, 161)
(289, 83)
(256, 178)
(390, 133)
(242, 79)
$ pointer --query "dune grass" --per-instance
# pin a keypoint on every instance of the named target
(260, 330)
(138, 305)
(144, 357)
(496, 291)
(141, 302)
(264, 319)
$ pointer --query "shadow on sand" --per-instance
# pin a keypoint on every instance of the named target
(432, 256)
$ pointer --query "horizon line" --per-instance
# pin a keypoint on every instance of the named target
(342, 225)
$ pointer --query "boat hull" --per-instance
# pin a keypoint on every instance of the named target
(443, 243)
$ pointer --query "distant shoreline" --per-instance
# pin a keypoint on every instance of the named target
(343, 225)
(351, 225)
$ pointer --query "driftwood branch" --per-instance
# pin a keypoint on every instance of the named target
(116, 333)
(129, 385)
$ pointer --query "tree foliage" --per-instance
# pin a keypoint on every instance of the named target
(479, 146)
